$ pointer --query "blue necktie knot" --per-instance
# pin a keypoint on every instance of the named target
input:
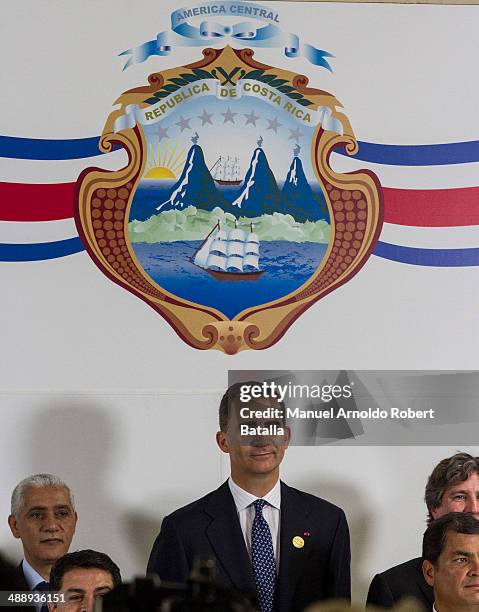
(259, 504)
(42, 587)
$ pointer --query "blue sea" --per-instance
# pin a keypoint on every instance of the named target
(286, 265)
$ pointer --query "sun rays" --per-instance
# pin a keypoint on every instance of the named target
(164, 163)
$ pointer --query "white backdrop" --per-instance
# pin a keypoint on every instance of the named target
(96, 388)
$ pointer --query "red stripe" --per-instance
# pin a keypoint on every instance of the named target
(25, 202)
(417, 207)
(432, 207)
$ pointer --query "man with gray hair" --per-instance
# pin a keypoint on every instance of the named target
(453, 486)
(43, 517)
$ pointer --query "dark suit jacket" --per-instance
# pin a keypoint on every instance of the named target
(20, 577)
(21, 585)
(210, 527)
(407, 579)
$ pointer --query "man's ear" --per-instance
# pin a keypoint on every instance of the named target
(428, 572)
(222, 441)
(12, 523)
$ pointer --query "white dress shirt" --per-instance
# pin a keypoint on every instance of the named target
(32, 578)
(246, 512)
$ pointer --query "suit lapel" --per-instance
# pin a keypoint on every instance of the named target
(294, 522)
(226, 538)
(21, 577)
(22, 585)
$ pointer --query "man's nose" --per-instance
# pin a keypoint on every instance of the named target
(472, 505)
(260, 441)
(51, 523)
(88, 603)
(474, 566)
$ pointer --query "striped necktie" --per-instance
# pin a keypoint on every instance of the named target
(262, 555)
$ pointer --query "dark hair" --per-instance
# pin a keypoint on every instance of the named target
(448, 472)
(83, 559)
(435, 536)
(233, 394)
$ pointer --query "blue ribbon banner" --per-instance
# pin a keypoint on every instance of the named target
(262, 30)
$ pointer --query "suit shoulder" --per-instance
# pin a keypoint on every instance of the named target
(405, 579)
(403, 569)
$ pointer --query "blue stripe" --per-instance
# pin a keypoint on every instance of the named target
(40, 251)
(35, 148)
(396, 155)
(449, 258)
(417, 155)
(444, 258)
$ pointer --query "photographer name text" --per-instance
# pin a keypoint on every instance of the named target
(273, 419)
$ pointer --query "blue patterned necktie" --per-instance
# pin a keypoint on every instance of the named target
(42, 587)
(262, 556)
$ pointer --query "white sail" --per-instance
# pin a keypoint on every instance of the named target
(228, 169)
(236, 170)
(219, 245)
(219, 169)
(201, 256)
(251, 247)
(216, 261)
(251, 260)
(236, 234)
(235, 248)
(230, 251)
(234, 262)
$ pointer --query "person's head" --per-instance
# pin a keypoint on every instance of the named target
(252, 454)
(451, 561)
(82, 576)
(43, 517)
(453, 486)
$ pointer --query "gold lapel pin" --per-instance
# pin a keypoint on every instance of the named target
(298, 542)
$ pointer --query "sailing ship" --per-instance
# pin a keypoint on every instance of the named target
(226, 171)
(229, 254)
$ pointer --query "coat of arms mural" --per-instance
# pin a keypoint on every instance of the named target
(228, 218)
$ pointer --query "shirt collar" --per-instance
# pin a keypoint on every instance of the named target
(32, 577)
(243, 498)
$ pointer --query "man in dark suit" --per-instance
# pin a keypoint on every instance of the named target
(44, 519)
(287, 547)
(453, 486)
(450, 549)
